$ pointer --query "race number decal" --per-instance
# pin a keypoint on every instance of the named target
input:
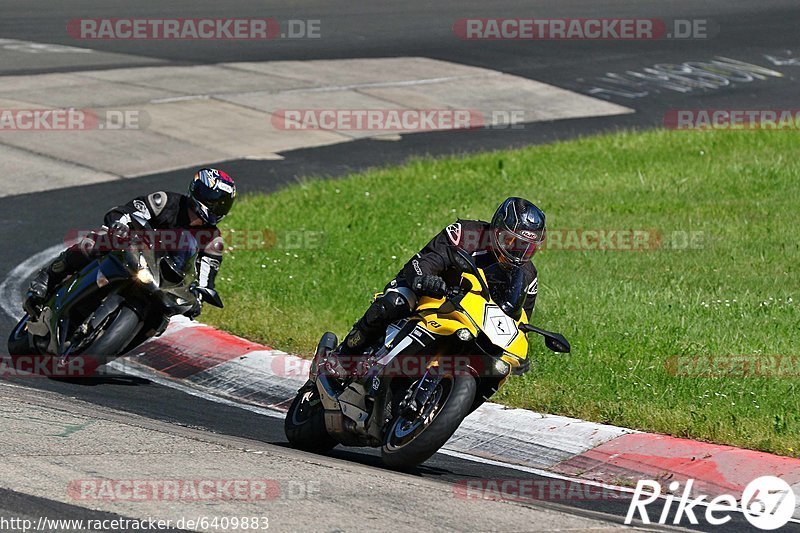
(499, 327)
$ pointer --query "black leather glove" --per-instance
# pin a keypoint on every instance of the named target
(196, 309)
(429, 286)
(119, 231)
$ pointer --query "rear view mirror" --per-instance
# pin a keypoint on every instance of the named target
(557, 343)
(210, 296)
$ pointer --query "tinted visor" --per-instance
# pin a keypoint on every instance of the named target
(206, 214)
(516, 247)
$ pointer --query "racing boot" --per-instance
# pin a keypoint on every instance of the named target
(342, 360)
(354, 343)
(45, 281)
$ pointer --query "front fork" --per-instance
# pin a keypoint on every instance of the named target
(417, 397)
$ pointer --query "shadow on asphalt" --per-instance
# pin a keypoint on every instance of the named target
(120, 379)
(371, 457)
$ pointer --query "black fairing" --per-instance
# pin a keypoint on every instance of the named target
(83, 296)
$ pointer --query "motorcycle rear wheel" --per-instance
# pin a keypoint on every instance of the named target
(452, 406)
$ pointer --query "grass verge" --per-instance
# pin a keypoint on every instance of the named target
(730, 292)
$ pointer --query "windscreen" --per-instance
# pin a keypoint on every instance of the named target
(183, 256)
(507, 288)
(179, 256)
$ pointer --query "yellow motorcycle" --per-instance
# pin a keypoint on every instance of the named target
(409, 393)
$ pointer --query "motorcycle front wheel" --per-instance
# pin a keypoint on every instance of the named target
(19, 340)
(111, 341)
(412, 440)
(305, 422)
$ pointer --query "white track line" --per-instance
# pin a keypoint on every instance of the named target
(11, 287)
(155, 377)
(31, 47)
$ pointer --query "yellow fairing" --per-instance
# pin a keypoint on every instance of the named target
(443, 323)
(478, 314)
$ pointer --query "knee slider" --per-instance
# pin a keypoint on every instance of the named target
(396, 305)
(387, 308)
(376, 314)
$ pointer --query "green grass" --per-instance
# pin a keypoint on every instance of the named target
(626, 313)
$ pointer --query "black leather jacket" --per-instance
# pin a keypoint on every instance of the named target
(473, 236)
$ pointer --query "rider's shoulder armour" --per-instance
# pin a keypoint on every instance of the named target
(158, 201)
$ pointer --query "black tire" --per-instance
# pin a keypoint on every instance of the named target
(140, 338)
(305, 423)
(19, 340)
(115, 337)
(423, 445)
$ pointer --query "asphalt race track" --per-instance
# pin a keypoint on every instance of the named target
(749, 31)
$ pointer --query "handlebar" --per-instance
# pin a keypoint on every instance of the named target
(453, 292)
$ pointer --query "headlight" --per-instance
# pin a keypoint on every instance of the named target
(501, 367)
(464, 334)
(144, 275)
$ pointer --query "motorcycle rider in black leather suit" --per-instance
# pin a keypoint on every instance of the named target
(210, 197)
(515, 232)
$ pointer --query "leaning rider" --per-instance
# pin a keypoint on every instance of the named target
(211, 195)
(512, 237)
